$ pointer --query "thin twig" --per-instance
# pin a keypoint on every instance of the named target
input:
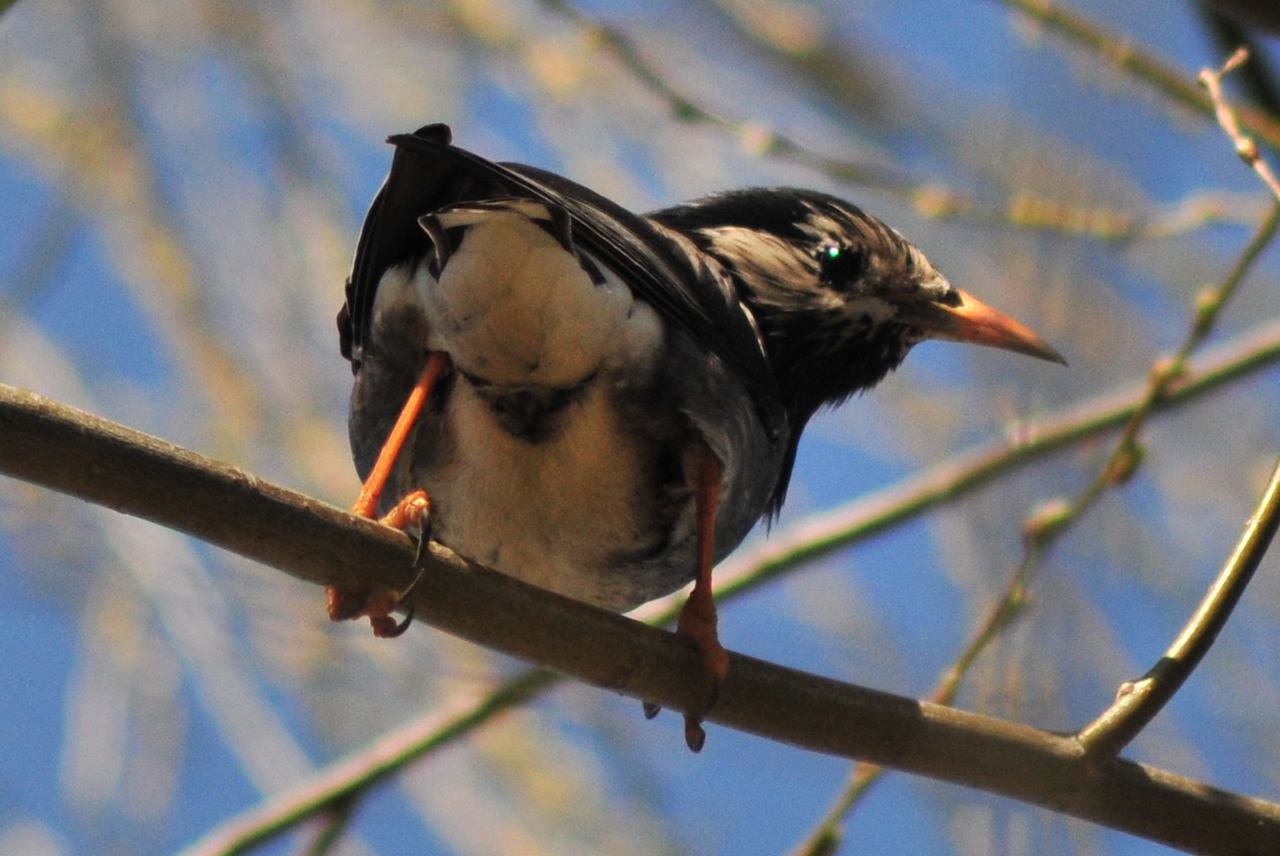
(1053, 519)
(1138, 702)
(1127, 57)
(787, 549)
(1200, 209)
(755, 138)
(1246, 148)
(828, 833)
(1043, 529)
(346, 779)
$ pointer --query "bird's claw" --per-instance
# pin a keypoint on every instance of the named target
(715, 661)
(698, 622)
(413, 510)
(695, 736)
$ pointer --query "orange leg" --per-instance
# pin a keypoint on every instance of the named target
(344, 603)
(367, 502)
(698, 617)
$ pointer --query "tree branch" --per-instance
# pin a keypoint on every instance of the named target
(1229, 121)
(749, 569)
(1138, 702)
(74, 452)
(345, 779)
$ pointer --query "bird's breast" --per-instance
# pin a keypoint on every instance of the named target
(536, 462)
(513, 307)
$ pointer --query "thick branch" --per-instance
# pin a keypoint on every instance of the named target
(76, 453)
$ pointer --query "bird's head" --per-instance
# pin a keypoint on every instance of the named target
(840, 298)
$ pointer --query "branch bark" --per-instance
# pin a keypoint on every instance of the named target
(76, 453)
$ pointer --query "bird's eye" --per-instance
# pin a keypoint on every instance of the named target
(841, 265)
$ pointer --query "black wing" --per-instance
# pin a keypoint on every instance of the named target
(428, 173)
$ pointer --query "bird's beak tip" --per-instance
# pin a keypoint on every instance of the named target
(972, 321)
(1041, 350)
(1053, 356)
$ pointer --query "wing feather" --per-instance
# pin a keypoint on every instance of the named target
(428, 173)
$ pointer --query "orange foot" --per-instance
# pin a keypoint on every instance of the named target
(378, 605)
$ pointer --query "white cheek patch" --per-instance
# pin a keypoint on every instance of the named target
(936, 288)
(877, 310)
(513, 307)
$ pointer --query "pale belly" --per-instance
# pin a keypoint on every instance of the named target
(574, 512)
(542, 475)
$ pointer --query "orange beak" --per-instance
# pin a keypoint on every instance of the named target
(970, 320)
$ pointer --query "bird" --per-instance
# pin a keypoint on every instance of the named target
(600, 403)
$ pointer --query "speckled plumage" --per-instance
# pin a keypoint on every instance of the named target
(596, 353)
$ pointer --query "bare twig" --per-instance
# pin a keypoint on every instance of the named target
(1138, 702)
(1199, 210)
(345, 779)
(1138, 64)
(825, 837)
(1246, 148)
(754, 137)
(1053, 519)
